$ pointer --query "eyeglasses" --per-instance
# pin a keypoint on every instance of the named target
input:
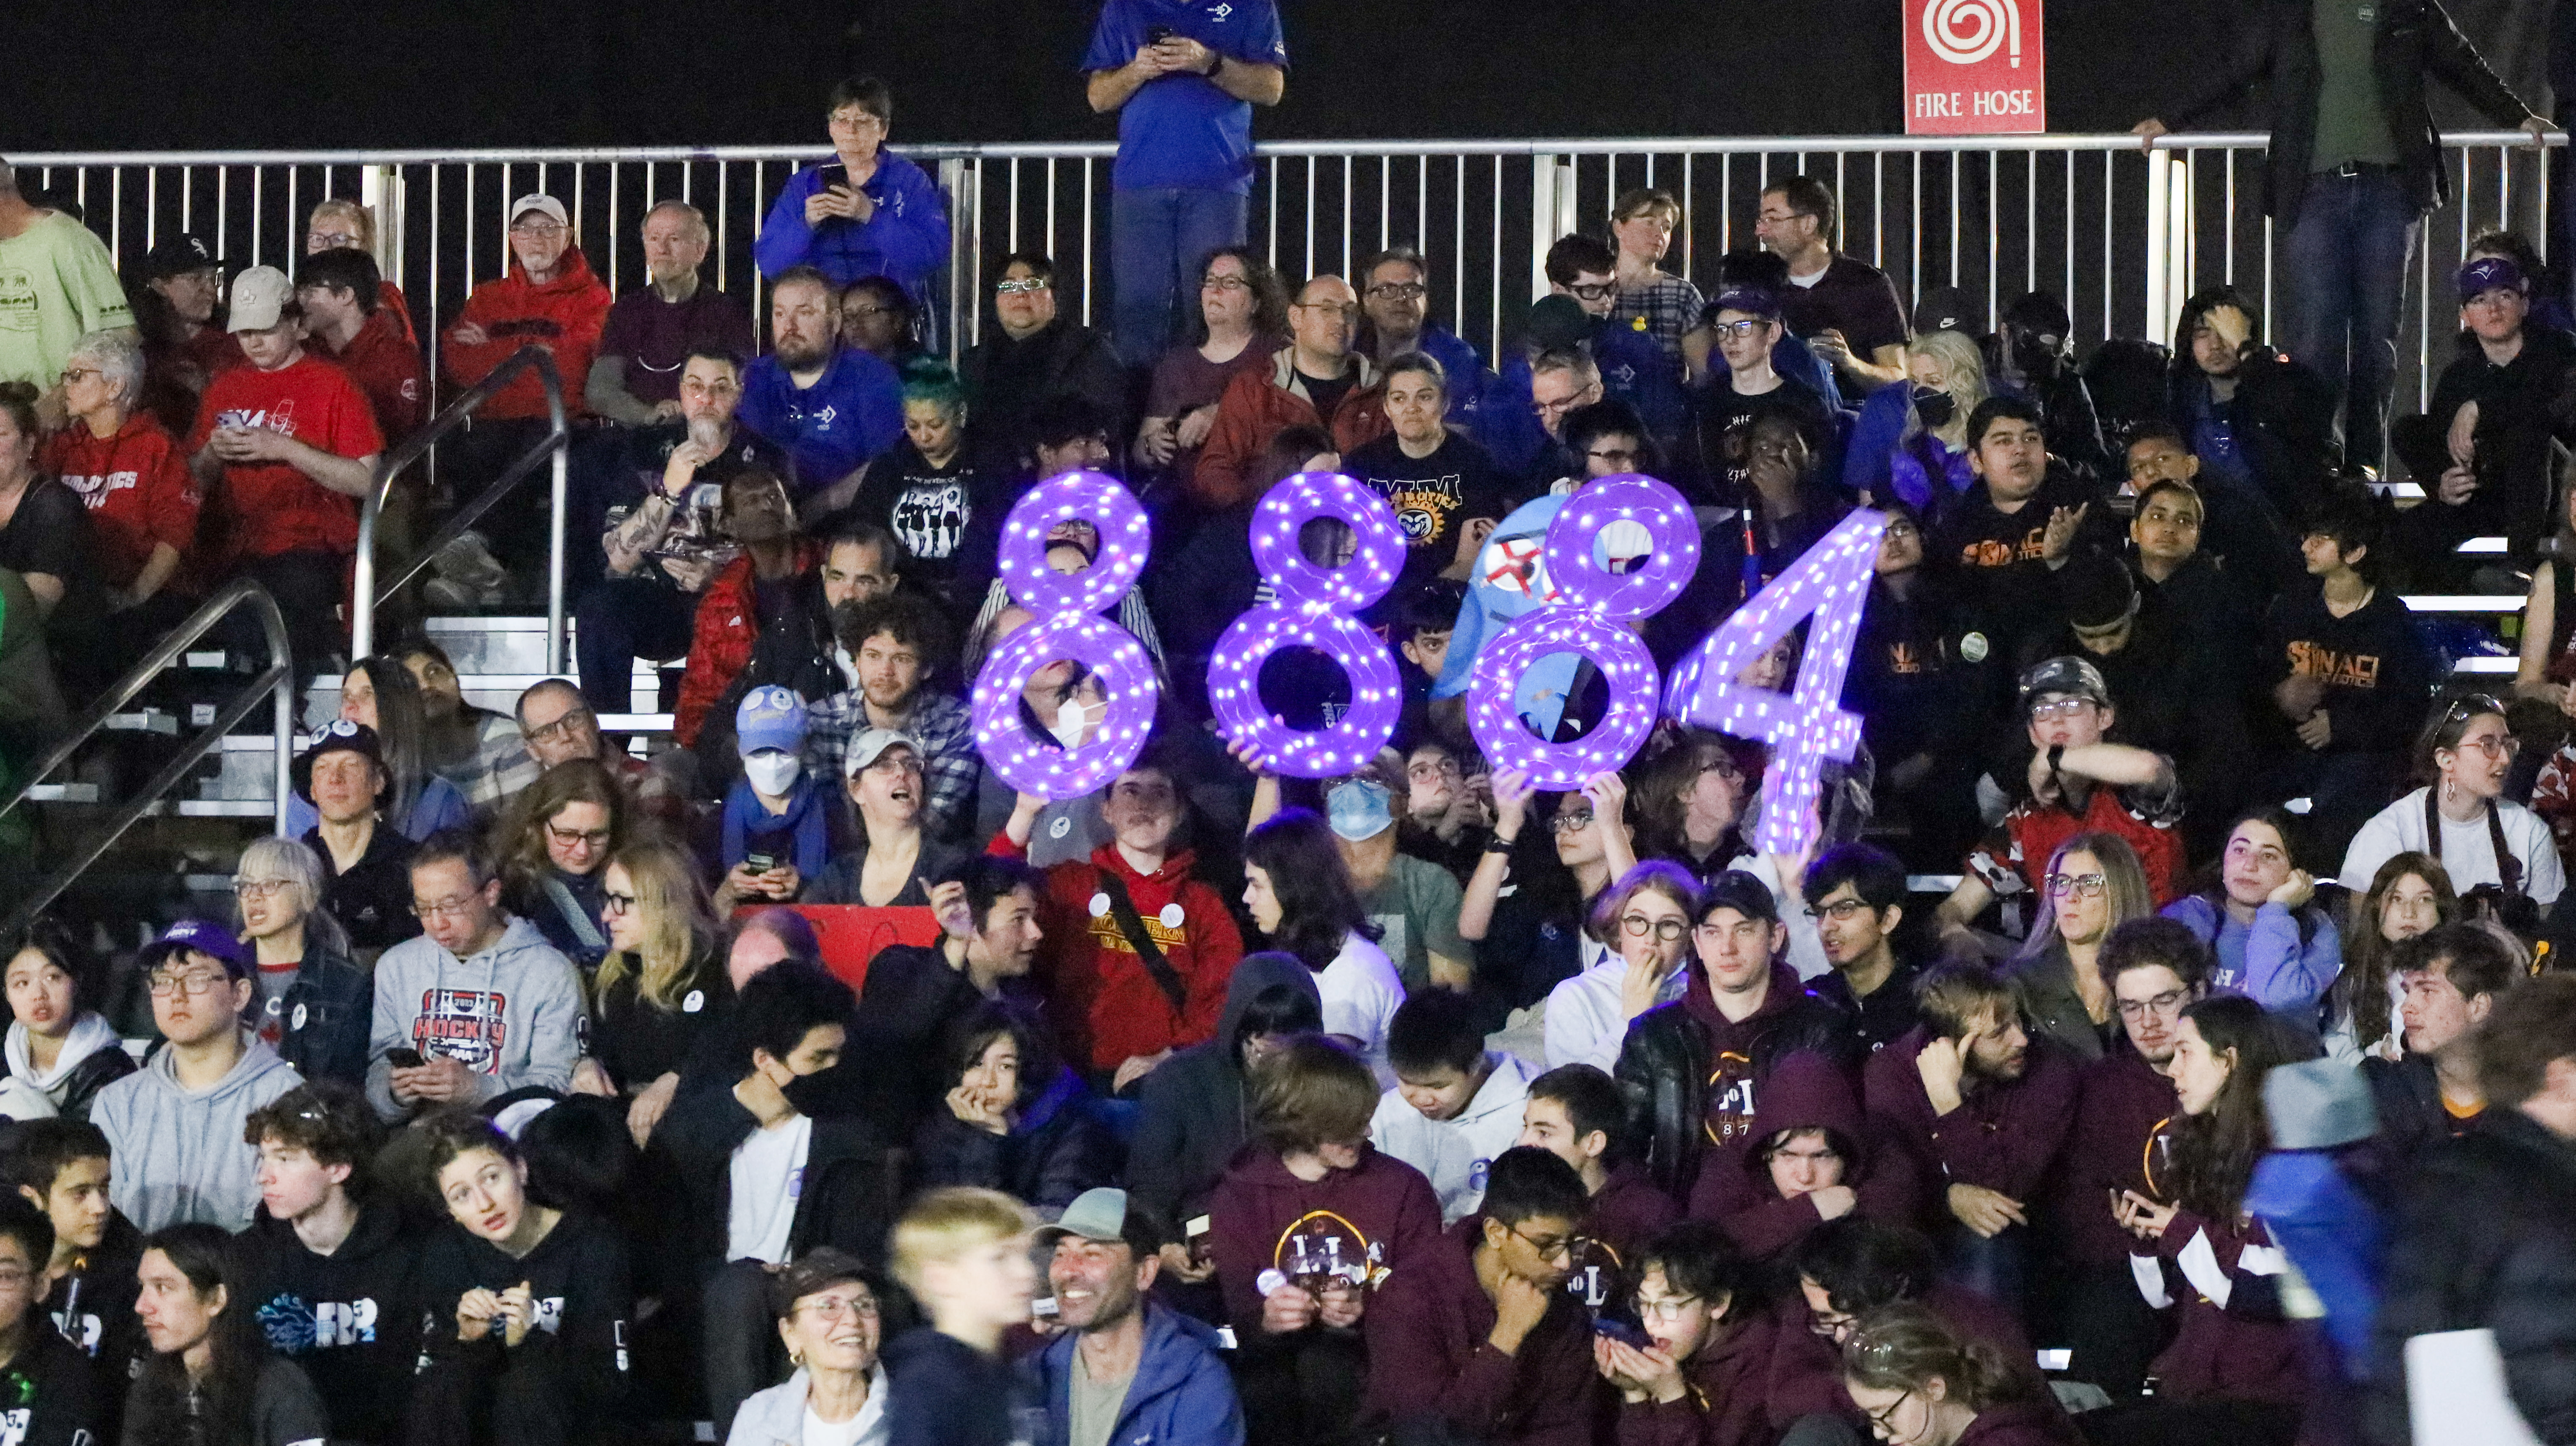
(80, 374)
(1214, 282)
(1615, 456)
(1569, 822)
(1901, 528)
(329, 240)
(1594, 291)
(870, 308)
(446, 908)
(838, 1307)
(2061, 708)
(1399, 291)
(1583, 398)
(1884, 1420)
(569, 837)
(893, 762)
(856, 119)
(612, 903)
(2169, 1002)
(1427, 769)
(1669, 1309)
(1737, 330)
(1668, 930)
(2077, 886)
(1566, 1248)
(1840, 910)
(2502, 749)
(568, 724)
(1021, 288)
(719, 388)
(258, 888)
(536, 229)
(196, 981)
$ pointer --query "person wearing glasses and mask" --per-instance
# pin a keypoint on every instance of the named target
(2497, 852)
(479, 1005)
(175, 1127)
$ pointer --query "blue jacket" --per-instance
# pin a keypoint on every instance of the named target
(829, 429)
(1871, 454)
(906, 240)
(1181, 1396)
(2267, 961)
(2333, 1233)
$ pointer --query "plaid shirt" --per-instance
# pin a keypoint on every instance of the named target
(1670, 307)
(942, 726)
(498, 767)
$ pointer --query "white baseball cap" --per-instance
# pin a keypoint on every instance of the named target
(259, 298)
(539, 202)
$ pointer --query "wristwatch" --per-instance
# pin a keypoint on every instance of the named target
(1497, 844)
(1215, 63)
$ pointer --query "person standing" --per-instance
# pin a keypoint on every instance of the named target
(2353, 165)
(1184, 76)
(65, 287)
(869, 212)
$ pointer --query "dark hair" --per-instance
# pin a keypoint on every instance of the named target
(1528, 1183)
(328, 1119)
(458, 844)
(710, 351)
(451, 1132)
(2197, 309)
(1591, 1101)
(817, 1269)
(1041, 265)
(1954, 993)
(851, 531)
(1753, 266)
(989, 880)
(2293, 845)
(1420, 362)
(2511, 243)
(1396, 255)
(963, 1042)
(865, 91)
(39, 1151)
(1699, 1259)
(2470, 956)
(2446, 725)
(1663, 1069)
(2214, 1151)
(18, 399)
(580, 1154)
(889, 294)
(48, 936)
(1997, 408)
(1864, 1265)
(2352, 517)
(1269, 294)
(1658, 783)
(911, 620)
(1318, 908)
(1876, 875)
(159, 1407)
(2155, 942)
(2154, 429)
(2360, 991)
(30, 1226)
(1310, 1092)
(1637, 199)
(1609, 417)
(1288, 450)
(1808, 196)
(1431, 608)
(1578, 255)
(2531, 1027)
(1062, 418)
(1280, 1008)
(1433, 1029)
(2149, 493)
(1906, 1347)
(342, 268)
(785, 1002)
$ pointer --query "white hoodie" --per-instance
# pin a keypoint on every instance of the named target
(89, 1034)
(1455, 1153)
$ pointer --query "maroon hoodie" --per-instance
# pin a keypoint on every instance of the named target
(1729, 1400)
(1744, 1050)
(1625, 1218)
(2004, 1135)
(1971, 1316)
(1430, 1355)
(2220, 1354)
(2020, 1423)
(2123, 1105)
(1804, 1092)
(1377, 1217)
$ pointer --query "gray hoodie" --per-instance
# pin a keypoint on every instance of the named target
(511, 1013)
(177, 1155)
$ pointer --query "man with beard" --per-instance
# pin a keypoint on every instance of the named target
(832, 407)
(897, 643)
(1969, 1097)
(1124, 1368)
(652, 330)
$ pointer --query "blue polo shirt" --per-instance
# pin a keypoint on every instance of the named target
(1181, 131)
(853, 413)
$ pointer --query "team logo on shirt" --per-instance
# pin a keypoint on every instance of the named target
(931, 517)
(278, 417)
(93, 489)
(2335, 669)
(295, 1326)
(2004, 552)
(820, 419)
(466, 1025)
(1730, 1099)
(1423, 505)
(1318, 1249)
(1596, 1278)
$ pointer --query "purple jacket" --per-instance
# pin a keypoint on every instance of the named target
(1430, 1356)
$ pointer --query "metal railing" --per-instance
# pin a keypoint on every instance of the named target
(364, 589)
(277, 680)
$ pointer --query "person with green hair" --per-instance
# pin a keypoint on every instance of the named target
(928, 491)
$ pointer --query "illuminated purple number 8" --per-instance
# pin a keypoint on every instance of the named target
(1068, 625)
(1312, 608)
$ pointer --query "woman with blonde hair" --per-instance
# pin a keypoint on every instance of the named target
(662, 985)
(336, 224)
(2093, 885)
(1929, 468)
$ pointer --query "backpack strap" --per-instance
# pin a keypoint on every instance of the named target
(1132, 926)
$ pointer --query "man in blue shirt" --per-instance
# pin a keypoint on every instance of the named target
(869, 212)
(1184, 76)
(829, 407)
(1395, 295)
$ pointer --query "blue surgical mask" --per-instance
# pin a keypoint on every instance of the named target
(1358, 809)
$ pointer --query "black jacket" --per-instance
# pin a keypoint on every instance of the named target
(2486, 1237)
(1005, 381)
(847, 1199)
(2409, 1097)
(350, 1319)
(327, 1012)
(558, 1385)
(93, 1307)
(909, 999)
(2416, 38)
(63, 1396)
(2282, 417)
(1192, 1112)
(638, 1042)
(1055, 1149)
(104, 1067)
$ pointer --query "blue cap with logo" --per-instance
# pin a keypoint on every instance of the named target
(2491, 273)
(770, 717)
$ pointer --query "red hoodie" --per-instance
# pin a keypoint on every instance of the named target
(1804, 1092)
(137, 487)
(565, 313)
(1431, 1356)
(1376, 1217)
(2005, 1135)
(1108, 1009)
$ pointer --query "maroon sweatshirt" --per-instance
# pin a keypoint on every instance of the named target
(1744, 1050)
(1430, 1354)
(2222, 1354)
(2122, 1105)
(1972, 1316)
(1728, 1402)
(1375, 1217)
(2020, 1423)
(2004, 1135)
(1626, 1216)
(1804, 1092)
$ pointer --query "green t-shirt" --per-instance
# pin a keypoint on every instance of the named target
(1417, 905)
(2352, 121)
(57, 284)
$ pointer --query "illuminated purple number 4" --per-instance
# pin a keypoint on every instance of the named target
(1807, 725)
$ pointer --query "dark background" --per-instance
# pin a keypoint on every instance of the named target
(271, 74)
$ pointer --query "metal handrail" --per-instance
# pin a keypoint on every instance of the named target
(277, 680)
(362, 622)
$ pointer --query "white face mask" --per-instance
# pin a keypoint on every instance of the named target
(772, 770)
(1071, 718)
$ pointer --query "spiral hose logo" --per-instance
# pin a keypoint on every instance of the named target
(1964, 32)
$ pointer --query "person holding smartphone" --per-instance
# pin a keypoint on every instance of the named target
(868, 212)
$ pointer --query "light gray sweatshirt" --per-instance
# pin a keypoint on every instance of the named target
(177, 1155)
(511, 1013)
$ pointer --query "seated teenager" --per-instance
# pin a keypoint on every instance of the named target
(1456, 1105)
(1642, 924)
(480, 751)
(1308, 1222)
(896, 859)
(2452, 978)
(1917, 1381)
(59, 1054)
(661, 990)
(1300, 897)
(328, 1269)
(1812, 1159)
(315, 1004)
(61, 1167)
(557, 838)
(1539, 877)
(777, 815)
(913, 994)
(208, 1360)
(1577, 1113)
(964, 1254)
(1854, 1268)
(1477, 1333)
(1016, 1118)
(2274, 945)
(1856, 892)
(56, 1396)
(527, 1305)
(2495, 850)
(1704, 1374)
(1752, 1005)
(832, 1326)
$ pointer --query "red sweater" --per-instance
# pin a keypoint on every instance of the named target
(1377, 1217)
(1431, 1356)
(2005, 1134)
(720, 645)
(1258, 405)
(1107, 1007)
(386, 366)
(565, 314)
(137, 487)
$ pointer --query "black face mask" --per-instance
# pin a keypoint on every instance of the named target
(1934, 406)
(813, 1094)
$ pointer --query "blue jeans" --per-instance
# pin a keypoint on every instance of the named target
(619, 620)
(2344, 284)
(1157, 240)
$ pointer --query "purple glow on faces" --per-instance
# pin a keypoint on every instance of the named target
(1125, 539)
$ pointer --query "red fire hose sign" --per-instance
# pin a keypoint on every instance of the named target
(1974, 67)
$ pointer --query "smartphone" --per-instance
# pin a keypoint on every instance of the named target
(1157, 34)
(835, 174)
(404, 1058)
(760, 863)
(1621, 1331)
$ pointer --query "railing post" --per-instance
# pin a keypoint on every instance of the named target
(380, 188)
(1551, 212)
(2169, 239)
(965, 243)
(555, 562)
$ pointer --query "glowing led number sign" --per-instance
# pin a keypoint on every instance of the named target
(1807, 725)
(1069, 625)
(1590, 620)
(1311, 607)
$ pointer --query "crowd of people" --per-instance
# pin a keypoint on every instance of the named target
(522, 1100)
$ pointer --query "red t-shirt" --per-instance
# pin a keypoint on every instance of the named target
(387, 369)
(136, 486)
(269, 507)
